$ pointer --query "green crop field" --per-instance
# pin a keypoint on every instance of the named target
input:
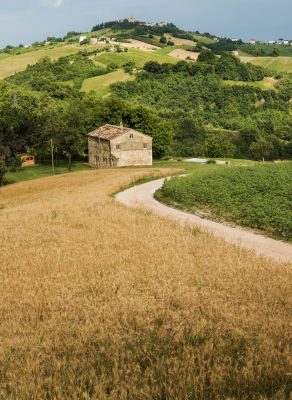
(139, 57)
(101, 84)
(278, 64)
(257, 197)
(12, 64)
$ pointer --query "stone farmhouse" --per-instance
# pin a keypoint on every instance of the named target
(117, 146)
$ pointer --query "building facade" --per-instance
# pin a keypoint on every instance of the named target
(116, 146)
(27, 160)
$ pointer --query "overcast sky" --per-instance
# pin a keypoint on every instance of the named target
(24, 21)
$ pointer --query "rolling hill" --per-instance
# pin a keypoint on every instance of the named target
(11, 64)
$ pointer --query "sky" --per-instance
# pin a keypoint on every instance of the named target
(25, 21)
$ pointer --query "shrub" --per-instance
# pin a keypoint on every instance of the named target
(3, 171)
(14, 163)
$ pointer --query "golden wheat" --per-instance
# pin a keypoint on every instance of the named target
(98, 301)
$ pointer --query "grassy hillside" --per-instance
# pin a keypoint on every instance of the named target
(257, 197)
(100, 84)
(139, 57)
(17, 63)
(278, 64)
(101, 301)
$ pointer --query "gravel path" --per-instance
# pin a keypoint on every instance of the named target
(142, 197)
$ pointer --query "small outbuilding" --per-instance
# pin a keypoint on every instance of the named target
(28, 160)
(117, 146)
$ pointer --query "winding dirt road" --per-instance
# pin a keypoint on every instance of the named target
(142, 196)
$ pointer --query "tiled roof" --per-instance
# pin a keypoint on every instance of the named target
(110, 132)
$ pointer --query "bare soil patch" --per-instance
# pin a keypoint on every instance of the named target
(184, 54)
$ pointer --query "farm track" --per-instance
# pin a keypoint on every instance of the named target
(143, 196)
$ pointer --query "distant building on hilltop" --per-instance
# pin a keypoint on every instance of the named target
(83, 37)
(117, 146)
(94, 41)
(132, 20)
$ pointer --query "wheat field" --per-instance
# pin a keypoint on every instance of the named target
(98, 301)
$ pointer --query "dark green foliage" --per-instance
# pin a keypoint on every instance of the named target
(231, 68)
(207, 56)
(259, 197)
(261, 148)
(196, 91)
(14, 163)
(223, 45)
(3, 171)
(219, 144)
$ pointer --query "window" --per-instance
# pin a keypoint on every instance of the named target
(118, 147)
(145, 146)
(131, 136)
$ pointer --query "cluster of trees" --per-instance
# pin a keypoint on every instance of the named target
(226, 67)
(31, 120)
(223, 45)
(211, 118)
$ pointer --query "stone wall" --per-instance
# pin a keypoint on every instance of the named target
(131, 151)
(99, 153)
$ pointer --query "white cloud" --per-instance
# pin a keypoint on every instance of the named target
(53, 3)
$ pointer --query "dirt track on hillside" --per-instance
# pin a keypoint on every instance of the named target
(142, 196)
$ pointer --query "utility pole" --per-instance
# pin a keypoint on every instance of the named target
(52, 152)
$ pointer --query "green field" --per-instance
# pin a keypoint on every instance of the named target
(278, 64)
(266, 84)
(258, 197)
(12, 64)
(166, 50)
(139, 57)
(101, 84)
(41, 171)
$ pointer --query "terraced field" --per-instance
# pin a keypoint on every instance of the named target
(278, 64)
